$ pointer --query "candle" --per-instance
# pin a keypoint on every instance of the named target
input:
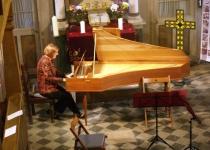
(55, 26)
(120, 23)
(82, 26)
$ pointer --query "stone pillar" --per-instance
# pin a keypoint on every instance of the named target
(133, 14)
(134, 17)
(133, 7)
(60, 14)
(60, 9)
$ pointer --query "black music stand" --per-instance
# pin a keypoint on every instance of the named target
(165, 99)
(158, 99)
(194, 117)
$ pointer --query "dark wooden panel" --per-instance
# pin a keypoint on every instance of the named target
(186, 41)
(1, 9)
(165, 36)
(29, 50)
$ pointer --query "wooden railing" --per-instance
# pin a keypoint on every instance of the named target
(19, 139)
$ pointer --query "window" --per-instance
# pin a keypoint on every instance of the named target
(167, 8)
(23, 13)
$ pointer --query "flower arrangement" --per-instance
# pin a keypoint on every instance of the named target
(117, 9)
(77, 12)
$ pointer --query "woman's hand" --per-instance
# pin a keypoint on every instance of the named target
(69, 75)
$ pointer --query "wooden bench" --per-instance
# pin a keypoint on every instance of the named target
(18, 140)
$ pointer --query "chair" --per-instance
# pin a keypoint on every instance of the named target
(86, 141)
(32, 98)
(167, 88)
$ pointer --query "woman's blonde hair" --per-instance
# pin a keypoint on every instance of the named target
(50, 49)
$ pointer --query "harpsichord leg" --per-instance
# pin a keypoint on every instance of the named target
(85, 107)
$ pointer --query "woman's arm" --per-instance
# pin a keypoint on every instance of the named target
(60, 74)
(50, 72)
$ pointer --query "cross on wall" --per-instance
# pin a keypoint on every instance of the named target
(180, 25)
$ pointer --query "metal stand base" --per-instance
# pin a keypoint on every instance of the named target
(190, 147)
(157, 137)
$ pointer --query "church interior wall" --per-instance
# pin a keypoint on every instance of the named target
(196, 54)
(148, 12)
(45, 12)
(145, 10)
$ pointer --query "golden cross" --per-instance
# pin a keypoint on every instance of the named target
(180, 25)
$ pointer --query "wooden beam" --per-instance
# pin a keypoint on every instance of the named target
(3, 18)
(11, 65)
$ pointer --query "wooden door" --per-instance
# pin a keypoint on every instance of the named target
(165, 38)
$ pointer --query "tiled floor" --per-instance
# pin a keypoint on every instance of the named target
(124, 125)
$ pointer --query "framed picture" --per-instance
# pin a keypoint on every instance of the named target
(200, 3)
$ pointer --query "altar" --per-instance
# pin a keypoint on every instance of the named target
(78, 42)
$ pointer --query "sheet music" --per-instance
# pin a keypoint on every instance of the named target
(95, 16)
